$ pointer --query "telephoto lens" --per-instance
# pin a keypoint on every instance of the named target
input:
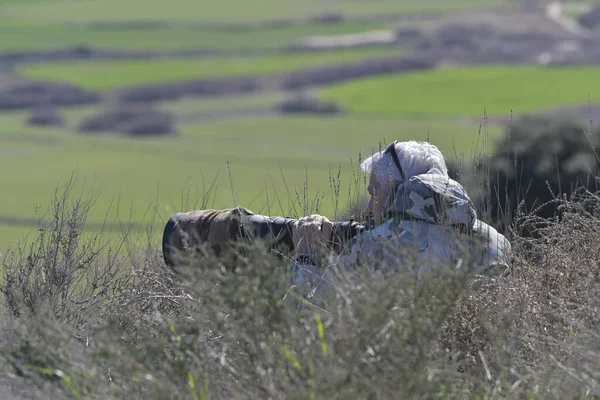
(219, 229)
(278, 231)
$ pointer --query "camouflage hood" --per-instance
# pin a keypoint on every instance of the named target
(434, 199)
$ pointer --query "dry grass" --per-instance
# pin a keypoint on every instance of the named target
(81, 320)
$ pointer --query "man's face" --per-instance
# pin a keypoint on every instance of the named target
(379, 193)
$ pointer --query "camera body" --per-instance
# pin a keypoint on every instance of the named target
(344, 231)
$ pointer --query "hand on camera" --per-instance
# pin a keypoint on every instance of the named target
(312, 235)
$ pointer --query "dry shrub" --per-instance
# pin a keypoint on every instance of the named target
(309, 102)
(535, 331)
(45, 116)
(86, 320)
(61, 290)
(131, 120)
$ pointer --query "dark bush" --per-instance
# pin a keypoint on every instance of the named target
(462, 36)
(308, 103)
(151, 93)
(172, 91)
(140, 121)
(591, 19)
(331, 18)
(293, 80)
(150, 124)
(45, 117)
(42, 94)
(332, 74)
(539, 161)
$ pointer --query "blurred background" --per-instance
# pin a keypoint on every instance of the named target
(166, 106)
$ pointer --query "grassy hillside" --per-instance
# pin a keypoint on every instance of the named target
(255, 148)
(259, 151)
(468, 90)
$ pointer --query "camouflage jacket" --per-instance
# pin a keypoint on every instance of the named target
(431, 222)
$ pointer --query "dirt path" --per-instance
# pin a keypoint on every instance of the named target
(556, 12)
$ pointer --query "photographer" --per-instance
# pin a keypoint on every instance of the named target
(423, 220)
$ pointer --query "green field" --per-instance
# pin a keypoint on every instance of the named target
(27, 35)
(53, 24)
(138, 173)
(224, 10)
(259, 151)
(154, 174)
(106, 75)
(452, 92)
(192, 105)
(467, 91)
(141, 179)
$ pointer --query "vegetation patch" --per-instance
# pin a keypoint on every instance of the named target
(308, 103)
(43, 94)
(132, 121)
(467, 91)
(45, 117)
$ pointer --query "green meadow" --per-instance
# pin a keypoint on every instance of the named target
(54, 24)
(55, 35)
(27, 25)
(467, 91)
(106, 75)
(219, 11)
(256, 149)
(260, 158)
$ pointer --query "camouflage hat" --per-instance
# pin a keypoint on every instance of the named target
(434, 199)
